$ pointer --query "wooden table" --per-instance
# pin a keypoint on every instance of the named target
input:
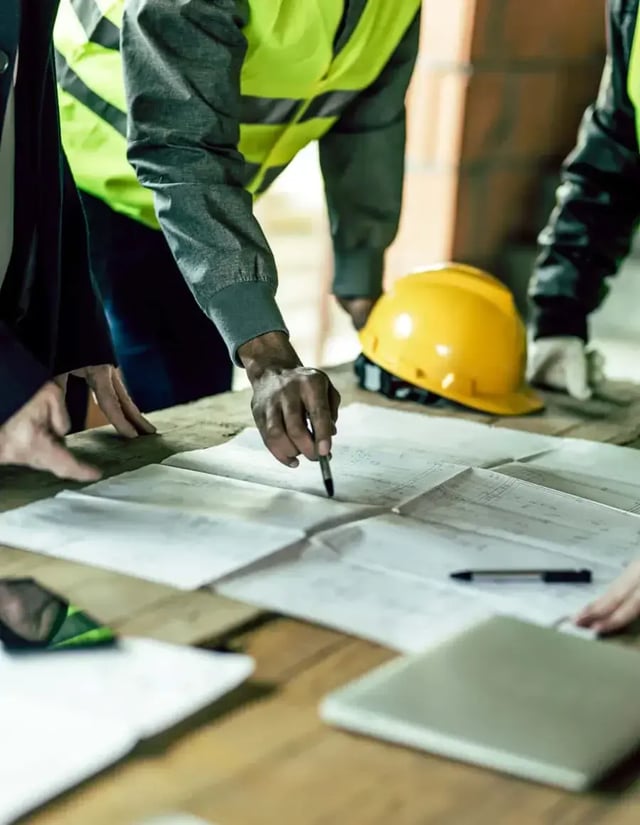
(262, 757)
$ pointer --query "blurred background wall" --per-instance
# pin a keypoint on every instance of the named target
(497, 95)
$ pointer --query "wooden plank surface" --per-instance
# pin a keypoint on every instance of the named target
(262, 756)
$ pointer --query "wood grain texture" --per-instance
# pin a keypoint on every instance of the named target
(262, 757)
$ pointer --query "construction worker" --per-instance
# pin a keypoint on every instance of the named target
(588, 236)
(222, 96)
(51, 323)
(450, 333)
(590, 231)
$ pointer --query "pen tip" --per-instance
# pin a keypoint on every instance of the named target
(329, 487)
(461, 576)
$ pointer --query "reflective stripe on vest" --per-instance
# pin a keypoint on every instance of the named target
(282, 110)
(98, 28)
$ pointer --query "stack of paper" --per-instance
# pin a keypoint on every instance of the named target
(387, 578)
(47, 750)
(148, 686)
(596, 472)
(367, 473)
(65, 716)
(417, 498)
(441, 439)
(162, 544)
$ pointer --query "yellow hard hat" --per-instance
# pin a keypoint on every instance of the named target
(453, 330)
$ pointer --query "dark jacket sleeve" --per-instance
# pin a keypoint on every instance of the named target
(598, 202)
(83, 334)
(182, 66)
(362, 161)
(21, 375)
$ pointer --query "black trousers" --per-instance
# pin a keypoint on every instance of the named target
(169, 351)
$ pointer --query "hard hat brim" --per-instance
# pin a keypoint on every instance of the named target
(523, 402)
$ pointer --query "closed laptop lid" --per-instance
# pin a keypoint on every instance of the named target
(509, 695)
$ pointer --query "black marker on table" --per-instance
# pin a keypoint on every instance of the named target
(577, 576)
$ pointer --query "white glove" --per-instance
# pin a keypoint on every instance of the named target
(564, 363)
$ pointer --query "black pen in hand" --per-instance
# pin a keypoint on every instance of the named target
(327, 478)
(325, 469)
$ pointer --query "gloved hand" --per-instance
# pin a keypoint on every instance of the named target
(564, 363)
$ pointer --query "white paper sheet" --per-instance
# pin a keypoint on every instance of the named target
(181, 525)
(184, 550)
(145, 685)
(618, 494)
(440, 438)
(209, 495)
(401, 612)
(494, 505)
(66, 715)
(431, 552)
(47, 750)
(364, 472)
(604, 461)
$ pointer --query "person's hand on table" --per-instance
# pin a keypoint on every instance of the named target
(359, 309)
(32, 437)
(295, 408)
(113, 399)
(564, 363)
(619, 606)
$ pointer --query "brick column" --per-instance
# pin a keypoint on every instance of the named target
(495, 101)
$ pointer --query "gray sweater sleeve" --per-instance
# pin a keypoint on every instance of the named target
(182, 63)
(362, 161)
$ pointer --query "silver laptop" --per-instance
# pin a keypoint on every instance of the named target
(508, 695)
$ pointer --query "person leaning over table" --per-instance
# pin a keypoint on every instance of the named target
(588, 236)
(51, 323)
(222, 94)
(592, 226)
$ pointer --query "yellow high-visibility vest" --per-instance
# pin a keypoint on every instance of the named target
(633, 77)
(294, 86)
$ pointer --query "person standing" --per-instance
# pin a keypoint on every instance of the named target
(221, 96)
(51, 323)
(587, 237)
(590, 231)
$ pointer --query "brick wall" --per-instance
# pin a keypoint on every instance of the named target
(496, 98)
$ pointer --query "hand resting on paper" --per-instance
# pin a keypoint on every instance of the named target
(619, 606)
(32, 437)
(113, 399)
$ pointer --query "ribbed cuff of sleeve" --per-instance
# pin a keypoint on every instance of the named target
(559, 316)
(358, 273)
(244, 311)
